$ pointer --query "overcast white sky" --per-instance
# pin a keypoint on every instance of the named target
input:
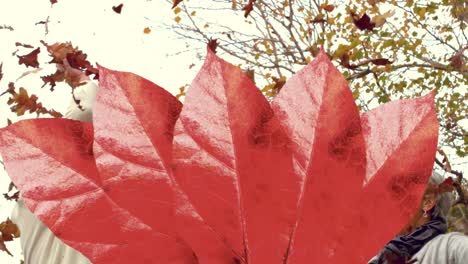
(114, 40)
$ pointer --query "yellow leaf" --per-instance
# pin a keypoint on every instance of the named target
(177, 19)
(193, 13)
(308, 59)
(422, 12)
(379, 20)
(177, 10)
(342, 49)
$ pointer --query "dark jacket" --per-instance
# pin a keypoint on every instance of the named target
(406, 246)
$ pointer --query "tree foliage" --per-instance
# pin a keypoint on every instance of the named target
(386, 49)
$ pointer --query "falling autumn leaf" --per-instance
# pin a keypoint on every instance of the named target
(10, 28)
(176, 3)
(21, 102)
(18, 44)
(327, 7)
(181, 92)
(12, 197)
(248, 8)
(250, 73)
(53, 1)
(224, 180)
(9, 231)
(146, 30)
(363, 23)
(30, 59)
(68, 60)
(458, 60)
(117, 9)
(381, 61)
(213, 45)
(379, 20)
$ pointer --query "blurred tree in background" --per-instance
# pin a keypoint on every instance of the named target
(387, 50)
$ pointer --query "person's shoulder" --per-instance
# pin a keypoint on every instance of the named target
(454, 238)
(445, 248)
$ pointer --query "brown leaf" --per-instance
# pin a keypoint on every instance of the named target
(7, 27)
(146, 30)
(45, 23)
(381, 61)
(3, 247)
(248, 8)
(53, 1)
(363, 23)
(12, 185)
(233, 4)
(213, 44)
(19, 44)
(250, 73)
(117, 9)
(22, 102)
(279, 83)
(328, 8)
(181, 92)
(176, 3)
(53, 79)
(13, 197)
(30, 59)
(458, 60)
(9, 230)
(72, 65)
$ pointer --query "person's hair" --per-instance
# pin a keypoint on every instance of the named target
(444, 200)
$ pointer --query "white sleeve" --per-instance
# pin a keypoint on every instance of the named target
(39, 244)
(451, 248)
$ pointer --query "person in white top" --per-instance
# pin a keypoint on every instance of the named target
(39, 244)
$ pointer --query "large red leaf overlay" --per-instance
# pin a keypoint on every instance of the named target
(401, 140)
(51, 162)
(230, 180)
(233, 161)
(317, 109)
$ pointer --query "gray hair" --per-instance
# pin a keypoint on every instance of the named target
(444, 200)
